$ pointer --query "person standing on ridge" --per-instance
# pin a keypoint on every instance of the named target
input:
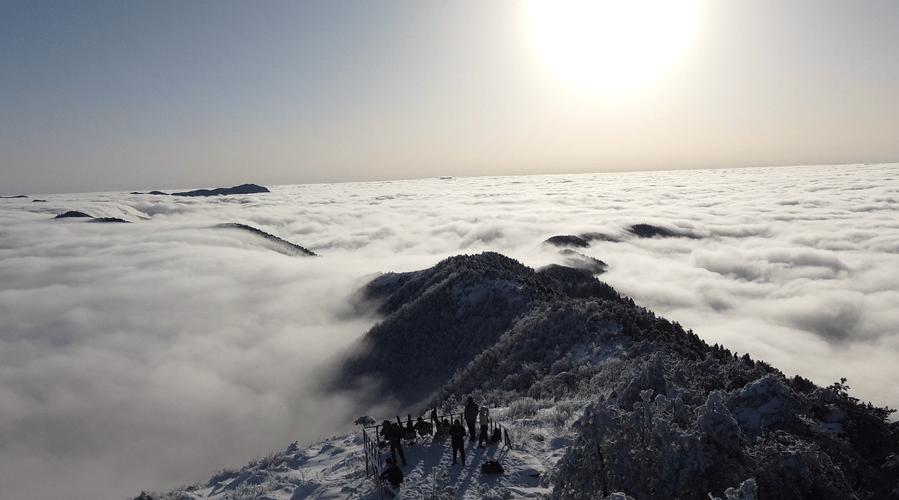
(485, 422)
(434, 420)
(395, 438)
(441, 431)
(393, 475)
(471, 417)
(457, 434)
(409, 430)
(384, 432)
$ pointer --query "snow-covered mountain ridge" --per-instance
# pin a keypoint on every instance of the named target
(600, 395)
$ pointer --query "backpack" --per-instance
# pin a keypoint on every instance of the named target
(491, 467)
(497, 436)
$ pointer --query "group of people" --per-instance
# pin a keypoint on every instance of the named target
(394, 433)
(473, 415)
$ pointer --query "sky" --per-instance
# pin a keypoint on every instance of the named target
(109, 95)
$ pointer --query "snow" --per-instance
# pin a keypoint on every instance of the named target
(335, 468)
(762, 403)
(746, 491)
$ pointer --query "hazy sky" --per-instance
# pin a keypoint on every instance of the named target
(135, 95)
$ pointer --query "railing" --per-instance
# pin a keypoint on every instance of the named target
(373, 459)
(373, 463)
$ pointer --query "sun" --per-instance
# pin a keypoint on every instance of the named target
(609, 45)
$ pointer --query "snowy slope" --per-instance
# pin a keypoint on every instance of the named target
(334, 468)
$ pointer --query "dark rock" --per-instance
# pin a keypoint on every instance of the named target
(567, 240)
(242, 189)
(15, 196)
(71, 214)
(39, 201)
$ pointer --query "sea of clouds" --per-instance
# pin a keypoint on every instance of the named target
(146, 355)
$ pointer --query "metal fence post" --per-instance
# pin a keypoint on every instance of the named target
(365, 449)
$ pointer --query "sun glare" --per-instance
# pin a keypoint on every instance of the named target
(606, 45)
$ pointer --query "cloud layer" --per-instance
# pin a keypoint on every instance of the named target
(148, 354)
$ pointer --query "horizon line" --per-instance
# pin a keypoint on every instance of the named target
(398, 179)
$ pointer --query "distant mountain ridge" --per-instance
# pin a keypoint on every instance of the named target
(275, 243)
(222, 191)
(241, 189)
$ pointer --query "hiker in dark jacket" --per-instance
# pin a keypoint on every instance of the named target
(457, 434)
(409, 430)
(423, 428)
(485, 423)
(471, 417)
(442, 430)
(385, 432)
(393, 474)
(394, 435)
